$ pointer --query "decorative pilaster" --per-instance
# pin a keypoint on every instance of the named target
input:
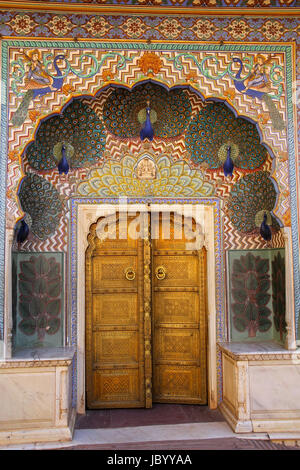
(8, 321)
(290, 341)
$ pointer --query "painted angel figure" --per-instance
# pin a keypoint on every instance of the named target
(37, 82)
(259, 79)
(258, 85)
(36, 76)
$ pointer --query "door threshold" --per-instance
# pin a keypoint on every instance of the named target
(159, 414)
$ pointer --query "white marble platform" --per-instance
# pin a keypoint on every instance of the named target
(261, 387)
(35, 389)
(159, 433)
(42, 354)
(263, 349)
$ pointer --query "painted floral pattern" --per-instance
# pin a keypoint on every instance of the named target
(278, 295)
(250, 293)
(40, 302)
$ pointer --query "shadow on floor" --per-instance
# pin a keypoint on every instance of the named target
(158, 414)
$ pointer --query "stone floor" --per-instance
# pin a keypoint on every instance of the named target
(164, 427)
(196, 444)
(159, 414)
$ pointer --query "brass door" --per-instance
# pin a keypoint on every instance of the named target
(127, 284)
(179, 320)
(115, 344)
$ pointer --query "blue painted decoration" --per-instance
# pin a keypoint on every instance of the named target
(63, 166)
(228, 165)
(258, 79)
(22, 232)
(265, 230)
(147, 130)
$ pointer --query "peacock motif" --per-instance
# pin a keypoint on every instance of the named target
(78, 129)
(124, 111)
(252, 195)
(214, 129)
(41, 201)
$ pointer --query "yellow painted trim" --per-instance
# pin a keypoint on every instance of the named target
(137, 10)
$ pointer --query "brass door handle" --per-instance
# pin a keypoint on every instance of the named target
(130, 274)
(160, 272)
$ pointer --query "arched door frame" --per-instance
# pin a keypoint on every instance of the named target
(88, 213)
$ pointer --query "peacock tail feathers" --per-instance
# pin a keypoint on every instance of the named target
(41, 200)
(20, 115)
(172, 110)
(275, 116)
(253, 193)
(78, 126)
(215, 126)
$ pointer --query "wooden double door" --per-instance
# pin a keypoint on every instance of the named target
(145, 316)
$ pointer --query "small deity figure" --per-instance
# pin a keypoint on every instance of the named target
(259, 78)
(36, 76)
(146, 169)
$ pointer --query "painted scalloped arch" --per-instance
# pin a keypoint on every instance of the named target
(171, 110)
(215, 127)
(254, 193)
(77, 126)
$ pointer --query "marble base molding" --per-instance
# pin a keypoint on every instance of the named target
(36, 401)
(261, 385)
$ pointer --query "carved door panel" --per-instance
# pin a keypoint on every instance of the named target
(115, 369)
(179, 323)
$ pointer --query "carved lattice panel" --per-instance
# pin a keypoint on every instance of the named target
(115, 348)
(116, 388)
(177, 344)
(109, 271)
(172, 307)
(110, 309)
(180, 271)
(177, 384)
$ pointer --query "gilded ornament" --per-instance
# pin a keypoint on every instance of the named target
(34, 114)
(108, 75)
(150, 63)
(145, 169)
(68, 89)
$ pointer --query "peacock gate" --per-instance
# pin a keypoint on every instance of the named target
(149, 247)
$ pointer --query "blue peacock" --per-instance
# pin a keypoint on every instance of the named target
(147, 131)
(219, 139)
(74, 139)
